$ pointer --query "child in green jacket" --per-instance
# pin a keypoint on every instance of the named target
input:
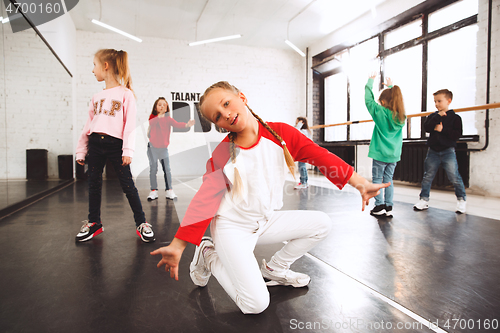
(387, 140)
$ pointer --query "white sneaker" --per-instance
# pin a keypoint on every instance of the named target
(170, 195)
(300, 186)
(461, 204)
(283, 278)
(421, 205)
(145, 231)
(153, 195)
(198, 270)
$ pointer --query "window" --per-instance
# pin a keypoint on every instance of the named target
(452, 13)
(452, 66)
(364, 61)
(409, 79)
(336, 107)
(449, 55)
(403, 34)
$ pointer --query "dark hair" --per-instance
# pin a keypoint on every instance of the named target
(447, 94)
(305, 125)
(154, 112)
(393, 100)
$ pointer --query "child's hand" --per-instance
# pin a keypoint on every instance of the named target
(389, 82)
(373, 75)
(438, 127)
(369, 191)
(81, 162)
(365, 188)
(190, 123)
(126, 160)
(171, 255)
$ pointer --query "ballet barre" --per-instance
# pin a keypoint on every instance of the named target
(422, 114)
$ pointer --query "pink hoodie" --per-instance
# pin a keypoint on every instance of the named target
(112, 112)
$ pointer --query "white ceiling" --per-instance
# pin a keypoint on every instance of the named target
(263, 23)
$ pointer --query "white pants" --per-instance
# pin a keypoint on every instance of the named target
(234, 264)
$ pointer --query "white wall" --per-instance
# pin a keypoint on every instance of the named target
(485, 165)
(38, 103)
(273, 80)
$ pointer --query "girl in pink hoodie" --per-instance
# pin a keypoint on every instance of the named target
(109, 134)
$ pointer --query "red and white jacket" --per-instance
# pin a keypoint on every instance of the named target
(262, 168)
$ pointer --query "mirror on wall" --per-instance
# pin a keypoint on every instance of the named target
(35, 117)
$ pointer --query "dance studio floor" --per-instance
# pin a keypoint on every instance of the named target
(411, 273)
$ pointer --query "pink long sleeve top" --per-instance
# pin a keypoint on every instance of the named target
(112, 112)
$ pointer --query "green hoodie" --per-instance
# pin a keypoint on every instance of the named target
(387, 137)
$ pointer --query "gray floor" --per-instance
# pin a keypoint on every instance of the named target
(370, 275)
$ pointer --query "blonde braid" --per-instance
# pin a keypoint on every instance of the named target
(238, 183)
(288, 157)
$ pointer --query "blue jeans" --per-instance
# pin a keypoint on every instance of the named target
(303, 173)
(153, 169)
(448, 160)
(382, 173)
(101, 148)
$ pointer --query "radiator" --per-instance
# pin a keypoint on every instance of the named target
(411, 167)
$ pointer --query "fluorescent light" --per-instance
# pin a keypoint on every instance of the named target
(10, 19)
(295, 48)
(117, 30)
(214, 40)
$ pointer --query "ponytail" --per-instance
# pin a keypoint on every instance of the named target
(123, 70)
(118, 61)
(393, 99)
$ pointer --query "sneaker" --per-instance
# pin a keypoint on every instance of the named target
(170, 195)
(378, 211)
(461, 204)
(283, 278)
(153, 195)
(145, 231)
(388, 211)
(300, 186)
(89, 230)
(198, 270)
(421, 205)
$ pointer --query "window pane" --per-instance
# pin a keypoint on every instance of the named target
(363, 62)
(403, 34)
(452, 65)
(405, 70)
(452, 13)
(336, 107)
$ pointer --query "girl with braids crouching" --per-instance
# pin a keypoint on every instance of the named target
(241, 193)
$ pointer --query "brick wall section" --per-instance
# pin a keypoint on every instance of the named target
(316, 111)
(37, 104)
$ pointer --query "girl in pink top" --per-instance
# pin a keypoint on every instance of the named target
(240, 198)
(160, 124)
(109, 134)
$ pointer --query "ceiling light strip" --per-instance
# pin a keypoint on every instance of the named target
(295, 48)
(104, 25)
(206, 41)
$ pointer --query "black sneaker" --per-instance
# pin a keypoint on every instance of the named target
(89, 230)
(378, 210)
(388, 211)
(145, 231)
